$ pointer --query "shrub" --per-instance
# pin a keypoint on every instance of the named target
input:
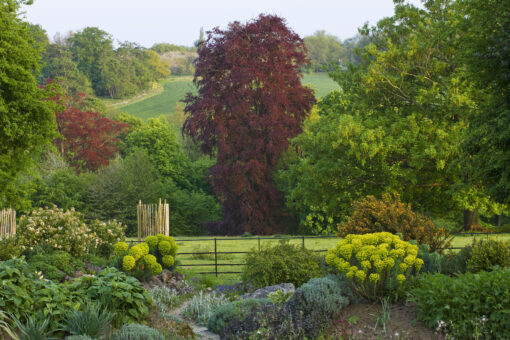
(268, 321)
(54, 266)
(282, 263)
(108, 233)
(456, 263)
(148, 258)
(374, 262)
(488, 253)
(233, 310)
(431, 260)
(137, 332)
(391, 215)
(458, 304)
(92, 320)
(319, 300)
(9, 248)
(52, 228)
(122, 295)
(202, 306)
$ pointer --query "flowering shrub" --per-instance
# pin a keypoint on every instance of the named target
(108, 233)
(371, 261)
(391, 215)
(52, 228)
(150, 257)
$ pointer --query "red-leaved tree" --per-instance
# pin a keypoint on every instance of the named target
(89, 139)
(250, 102)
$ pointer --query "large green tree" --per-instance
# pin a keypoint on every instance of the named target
(323, 50)
(27, 121)
(396, 127)
(485, 42)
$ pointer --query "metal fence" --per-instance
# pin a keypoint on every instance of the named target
(259, 239)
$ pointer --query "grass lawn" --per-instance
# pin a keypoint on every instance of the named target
(166, 101)
(205, 244)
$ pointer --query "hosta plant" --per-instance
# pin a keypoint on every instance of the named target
(374, 263)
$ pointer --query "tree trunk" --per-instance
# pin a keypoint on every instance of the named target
(471, 219)
(497, 220)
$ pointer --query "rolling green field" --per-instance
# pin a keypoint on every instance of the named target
(175, 88)
(229, 244)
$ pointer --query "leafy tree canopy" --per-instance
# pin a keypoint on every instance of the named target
(250, 102)
(27, 121)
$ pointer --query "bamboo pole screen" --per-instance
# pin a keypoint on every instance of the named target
(153, 219)
(7, 223)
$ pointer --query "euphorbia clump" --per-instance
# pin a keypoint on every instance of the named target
(372, 261)
(156, 253)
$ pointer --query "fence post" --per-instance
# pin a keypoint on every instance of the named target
(215, 258)
(259, 243)
(303, 242)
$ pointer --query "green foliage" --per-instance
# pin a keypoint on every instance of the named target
(282, 263)
(16, 295)
(233, 310)
(137, 332)
(488, 253)
(9, 248)
(457, 303)
(34, 329)
(5, 326)
(432, 261)
(122, 295)
(391, 215)
(202, 306)
(78, 337)
(166, 298)
(279, 296)
(27, 121)
(91, 320)
(375, 263)
(321, 297)
(323, 50)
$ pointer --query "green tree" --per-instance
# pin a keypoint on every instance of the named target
(158, 138)
(396, 127)
(485, 42)
(323, 50)
(92, 49)
(27, 121)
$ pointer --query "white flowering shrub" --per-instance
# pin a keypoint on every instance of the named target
(108, 233)
(54, 228)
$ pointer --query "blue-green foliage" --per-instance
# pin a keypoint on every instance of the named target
(464, 301)
(137, 332)
(233, 310)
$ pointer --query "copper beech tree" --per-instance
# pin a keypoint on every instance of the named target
(250, 101)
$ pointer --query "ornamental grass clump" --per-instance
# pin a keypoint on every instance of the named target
(375, 264)
(150, 257)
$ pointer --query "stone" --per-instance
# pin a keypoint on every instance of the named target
(263, 293)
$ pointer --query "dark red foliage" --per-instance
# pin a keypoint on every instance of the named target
(250, 102)
(89, 139)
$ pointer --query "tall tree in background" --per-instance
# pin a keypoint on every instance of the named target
(323, 50)
(486, 52)
(27, 121)
(250, 102)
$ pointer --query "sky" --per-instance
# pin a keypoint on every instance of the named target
(147, 22)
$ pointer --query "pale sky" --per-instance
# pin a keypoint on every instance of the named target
(178, 22)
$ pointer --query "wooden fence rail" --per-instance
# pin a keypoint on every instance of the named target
(7, 223)
(153, 219)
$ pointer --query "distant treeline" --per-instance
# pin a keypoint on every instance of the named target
(325, 50)
(86, 61)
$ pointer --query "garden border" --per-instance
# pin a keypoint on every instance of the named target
(259, 238)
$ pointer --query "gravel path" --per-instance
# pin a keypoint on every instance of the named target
(201, 332)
